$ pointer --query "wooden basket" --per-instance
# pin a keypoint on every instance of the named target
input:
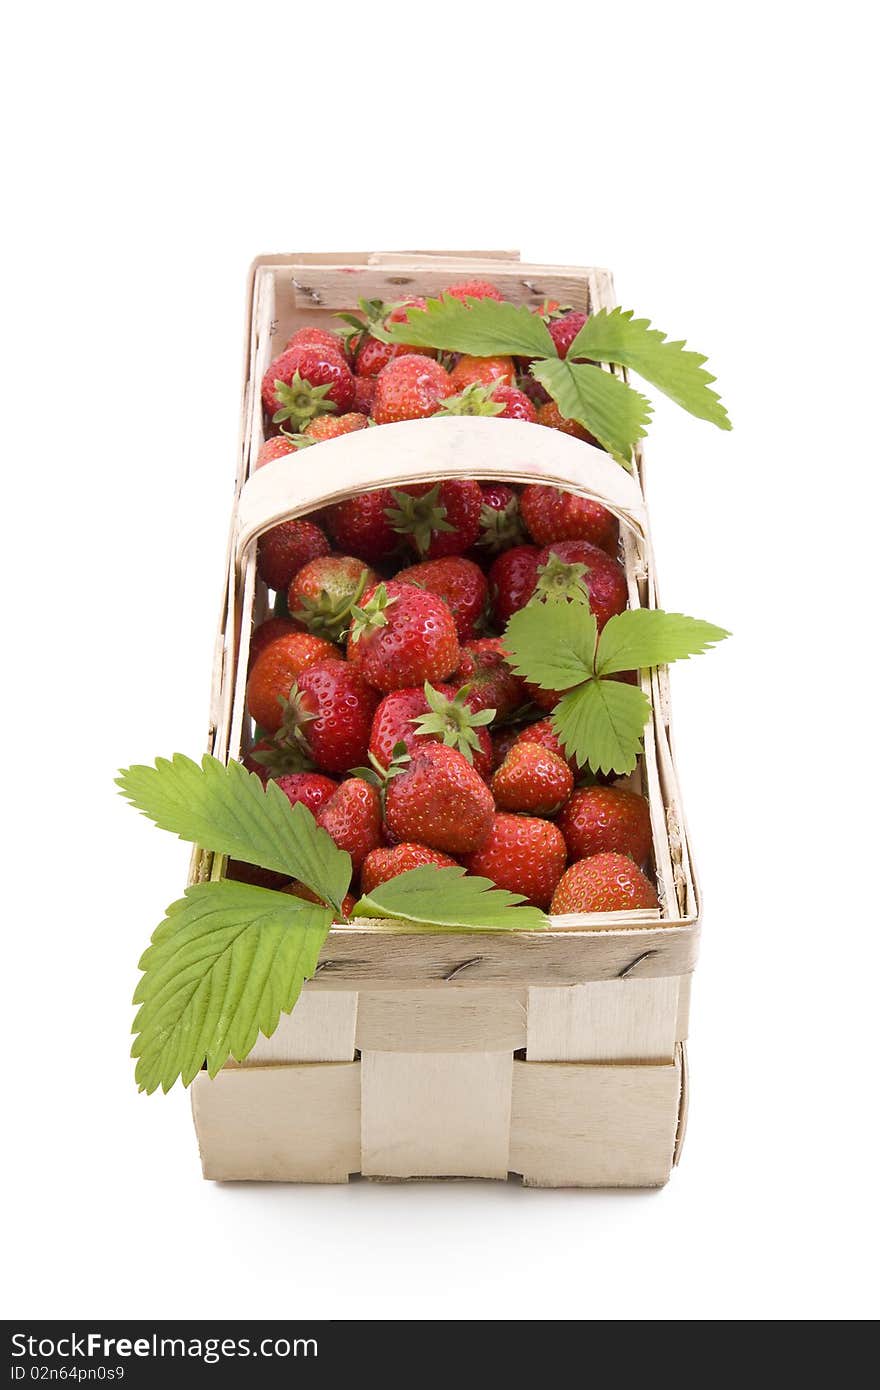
(556, 1057)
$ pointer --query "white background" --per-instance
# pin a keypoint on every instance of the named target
(720, 159)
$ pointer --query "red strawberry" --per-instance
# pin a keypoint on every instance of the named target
(373, 355)
(274, 448)
(516, 403)
(551, 514)
(410, 388)
(310, 789)
(360, 525)
(531, 779)
(286, 548)
(352, 817)
(482, 371)
(321, 594)
(459, 582)
(316, 337)
(550, 414)
(500, 522)
(597, 819)
(277, 670)
(501, 746)
(439, 800)
(240, 872)
(328, 716)
(438, 520)
(331, 426)
(474, 289)
(495, 399)
(304, 382)
(299, 890)
(603, 883)
(253, 764)
(399, 719)
(267, 632)
(564, 330)
(523, 854)
(512, 580)
(544, 734)
(562, 568)
(364, 394)
(402, 636)
(491, 683)
(381, 865)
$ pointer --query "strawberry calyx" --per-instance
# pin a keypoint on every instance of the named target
(559, 582)
(301, 401)
(372, 615)
(327, 615)
(418, 516)
(453, 721)
(476, 399)
(378, 776)
(293, 753)
(299, 441)
(501, 527)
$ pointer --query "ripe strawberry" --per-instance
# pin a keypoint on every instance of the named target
(304, 382)
(552, 514)
(328, 716)
(310, 789)
(439, 800)
(364, 394)
(299, 890)
(531, 779)
(402, 636)
(240, 872)
(331, 426)
(268, 632)
(482, 371)
(317, 337)
(322, 594)
(565, 328)
(251, 761)
(373, 355)
(432, 714)
(512, 580)
(275, 447)
(603, 883)
(411, 387)
(474, 289)
(286, 548)
(523, 854)
(438, 520)
(360, 525)
(491, 683)
(459, 582)
(500, 521)
(516, 403)
(352, 817)
(501, 746)
(550, 414)
(597, 819)
(276, 671)
(381, 865)
(544, 734)
(568, 564)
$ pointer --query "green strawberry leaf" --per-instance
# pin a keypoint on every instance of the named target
(612, 411)
(553, 645)
(223, 966)
(616, 336)
(448, 897)
(227, 810)
(647, 637)
(601, 723)
(481, 328)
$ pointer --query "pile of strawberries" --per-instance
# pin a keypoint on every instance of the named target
(380, 690)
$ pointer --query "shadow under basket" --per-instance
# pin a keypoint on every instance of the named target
(556, 1057)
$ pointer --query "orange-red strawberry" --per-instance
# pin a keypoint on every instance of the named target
(360, 525)
(523, 854)
(402, 636)
(381, 865)
(597, 819)
(500, 521)
(459, 582)
(543, 733)
(474, 289)
(551, 514)
(277, 669)
(364, 394)
(438, 520)
(568, 565)
(482, 371)
(352, 817)
(491, 683)
(550, 414)
(565, 328)
(317, 337)
(321, 594)
(410, 388)
(274, 448)
(286, 548)
(268, 632)
(328, 716)
(603, 883)
(533, 780)
(439, 800)
(306, 381)
(310, 789)
(512, 580)
(331, 426)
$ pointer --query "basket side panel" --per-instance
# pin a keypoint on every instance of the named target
(452, 1019)
(605, 1021)
(320, 1029)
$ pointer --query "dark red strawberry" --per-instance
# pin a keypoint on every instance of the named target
(321, 594)
(286, 548)
(397, 721)
(565, 566)
(438, 520)
(352, 817)
(565, 328)
(459, 582)
(275, 448)
(381, 865)
(329, 715)
(299, 890)
(500, 521)
(482, 371)
(332, 426)
(491, 683)
(252, 761)
(306, 381)
(267, 632)
(532, 779)
(402, 636)
(474, 289)
(277, 669)
(549, 414)
(597, 819)
(512, 580)
(603, 883)
(360, 525)
(410, 388)
(501, 745)
(310, 789)
(523, 854)
(240, 872)
(364, 394)
(551, 514)
(439, 800)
